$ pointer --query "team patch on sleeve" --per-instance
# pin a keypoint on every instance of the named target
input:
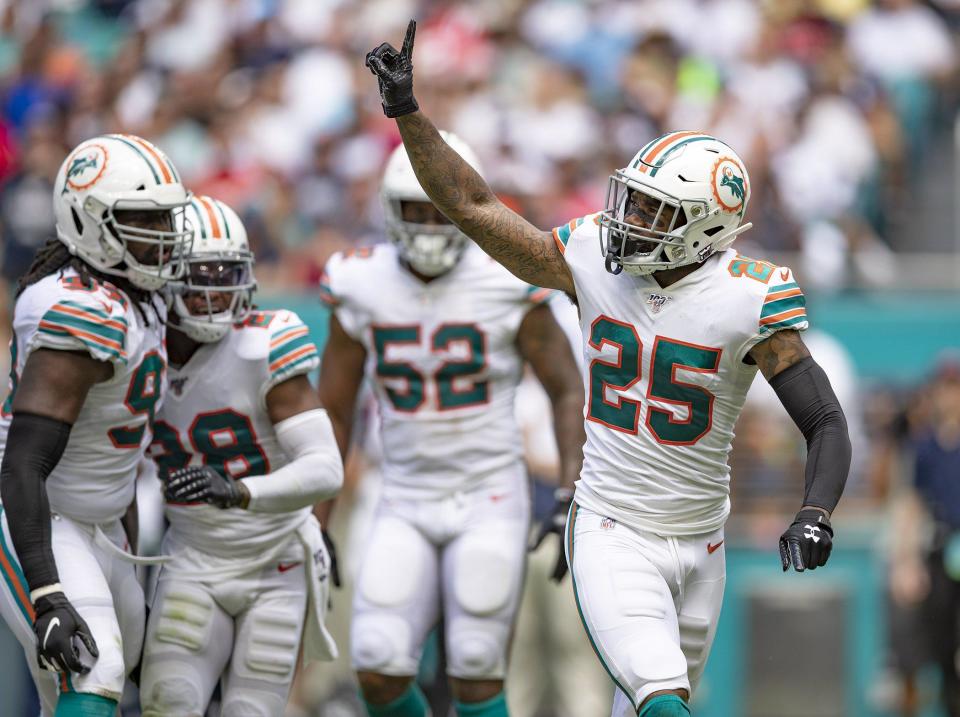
(71, 325)
(784, 306)
(291, 350)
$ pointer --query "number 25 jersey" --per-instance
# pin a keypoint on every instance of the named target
(665, 379)
(443, 359)
(94, 480)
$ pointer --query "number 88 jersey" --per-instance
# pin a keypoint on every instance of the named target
(215, 414)
(665, 379)
(443, 359)
(95, 478)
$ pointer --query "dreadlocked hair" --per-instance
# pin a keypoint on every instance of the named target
(55, 256)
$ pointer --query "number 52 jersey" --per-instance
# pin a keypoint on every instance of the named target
(443, 359)
(665, 379)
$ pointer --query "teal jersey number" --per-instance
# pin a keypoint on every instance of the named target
(227, 442)
(449, 395)
(224, 439)
(141, 400)
(167, 449)
(623, 414)
(478, 392)
(669, 355)
(410, 399)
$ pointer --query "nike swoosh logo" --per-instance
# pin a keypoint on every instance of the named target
(284, 567)
(711, 549)
(55, 622)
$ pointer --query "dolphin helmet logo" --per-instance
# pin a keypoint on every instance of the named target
(729, 185)
(86, 166)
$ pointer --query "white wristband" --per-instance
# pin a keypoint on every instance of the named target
(44, 591)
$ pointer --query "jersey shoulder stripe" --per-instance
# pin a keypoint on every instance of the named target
(784, 306)
(291, 349)
(102, 334)
(562, 234)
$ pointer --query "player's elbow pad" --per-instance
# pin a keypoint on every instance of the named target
(806, 393)
(314, 473)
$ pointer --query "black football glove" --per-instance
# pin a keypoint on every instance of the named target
(57, 626)
(807, 543)
(556, 523)
(394, 71)
(332, 552)
(203, 484)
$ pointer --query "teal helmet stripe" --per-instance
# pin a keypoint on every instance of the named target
(196, 210)
(648, 146)
(223, 218)
(136, 149)
(674, 148)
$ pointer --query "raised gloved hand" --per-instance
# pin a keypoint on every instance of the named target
(203, 484)
(807, 543)
(394, 71)
(57, 626)
(556, 523)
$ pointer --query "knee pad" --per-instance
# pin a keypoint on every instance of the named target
(172, 694)
(474, 652)
(487, 574)
(185, 617)
(269, 651)
(378, 640)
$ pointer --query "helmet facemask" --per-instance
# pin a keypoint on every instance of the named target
(430, 244)
(219, 288)
(644, 227)
(149, 257)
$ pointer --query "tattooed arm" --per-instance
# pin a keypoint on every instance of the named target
(781, 350)
(461, 194)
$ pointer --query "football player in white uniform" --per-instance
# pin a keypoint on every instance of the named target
(675, 326)
(442, 331)
(244, 449)
(87, 370)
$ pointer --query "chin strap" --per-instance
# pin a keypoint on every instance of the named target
(611, 263)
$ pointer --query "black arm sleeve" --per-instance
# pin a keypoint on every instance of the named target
(805, 392)
(34, 446)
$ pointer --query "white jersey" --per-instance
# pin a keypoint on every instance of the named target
(443, 358)
(215, 414)
(665, 379)
(94, 481)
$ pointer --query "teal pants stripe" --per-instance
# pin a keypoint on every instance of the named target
(571, 522)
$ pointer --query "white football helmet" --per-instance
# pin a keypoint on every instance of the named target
(690, 189)
(220, 262)
(121, 172)
(431, 249)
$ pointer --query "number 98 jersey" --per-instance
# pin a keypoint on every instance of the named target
(95, 478)
(215, 414)
(665, 379)
(443, 360)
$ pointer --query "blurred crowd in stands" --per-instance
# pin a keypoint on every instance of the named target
(839, 108)
(265, 104)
